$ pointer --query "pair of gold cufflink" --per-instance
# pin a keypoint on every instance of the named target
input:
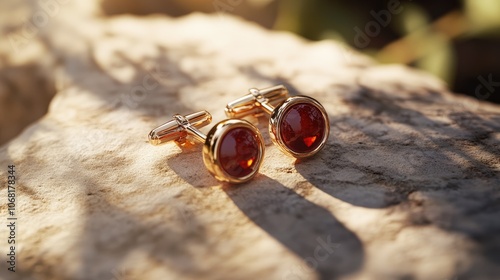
(233, 149)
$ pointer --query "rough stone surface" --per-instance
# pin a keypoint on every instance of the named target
(25, 85)
(406, 188)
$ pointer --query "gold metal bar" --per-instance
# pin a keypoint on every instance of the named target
(178, 128)
(256, 101)
(198, 135)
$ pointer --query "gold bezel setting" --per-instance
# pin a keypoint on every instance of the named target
(277, 117)
(212, 147)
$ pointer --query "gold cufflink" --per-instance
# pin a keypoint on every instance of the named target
(298, 125)
(233, 149)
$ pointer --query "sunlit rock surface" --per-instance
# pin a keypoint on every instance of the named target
(406, 188)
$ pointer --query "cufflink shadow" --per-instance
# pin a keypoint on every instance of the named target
(189, 166)
(392, 154)
(306, 229)
(330, 173)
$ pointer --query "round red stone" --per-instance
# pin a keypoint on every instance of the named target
(302, 128)
(239, 152)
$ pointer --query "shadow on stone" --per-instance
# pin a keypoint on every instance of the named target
(431, 173)
(188, 165)
(306, 229)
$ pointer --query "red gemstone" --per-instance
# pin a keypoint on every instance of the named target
(239, 152)
(303, 128)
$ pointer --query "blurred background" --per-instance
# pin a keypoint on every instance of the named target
(456, 40)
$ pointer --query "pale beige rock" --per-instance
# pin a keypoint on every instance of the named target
(27, 59)
(21, 75)
(407, 187)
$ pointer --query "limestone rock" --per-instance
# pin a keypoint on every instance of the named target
(25, 88)
(406, 188)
